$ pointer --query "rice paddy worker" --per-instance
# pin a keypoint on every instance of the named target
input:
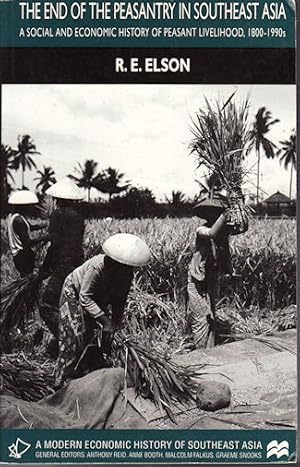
(65, 252)
(210, 259)
(19, 229)
(94, 295)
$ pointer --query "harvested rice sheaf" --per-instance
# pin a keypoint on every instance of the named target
(154, 375)
(25, 377)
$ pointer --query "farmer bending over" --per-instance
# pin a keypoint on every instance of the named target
(211, 258)
(19, 229)
(93, 296)
(65, 252)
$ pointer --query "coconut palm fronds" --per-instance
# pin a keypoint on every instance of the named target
(154, 375)
(17, 300)
(27, 380)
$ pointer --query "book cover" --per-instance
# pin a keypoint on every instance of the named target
(148, 231)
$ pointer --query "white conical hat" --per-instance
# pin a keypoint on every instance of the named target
(127, 249)
(23, 197)
(65, 189)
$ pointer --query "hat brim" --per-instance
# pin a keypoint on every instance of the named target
(23, 198)
(127, 249)
(65, 189)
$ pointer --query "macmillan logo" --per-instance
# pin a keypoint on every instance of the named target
(274, 448)
(17, 449)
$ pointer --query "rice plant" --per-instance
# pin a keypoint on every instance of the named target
(222, 140)
(264, 257)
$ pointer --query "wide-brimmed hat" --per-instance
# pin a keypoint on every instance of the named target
(23, 197)
(65, 189)
(127, 249)
(208, 207)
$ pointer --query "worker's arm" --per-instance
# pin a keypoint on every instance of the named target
(86, 298)
(20, 228)
(87, 293)
(212, 232)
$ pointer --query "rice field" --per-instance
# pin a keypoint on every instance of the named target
(264, 258)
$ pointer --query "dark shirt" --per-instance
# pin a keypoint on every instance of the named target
(66, 235)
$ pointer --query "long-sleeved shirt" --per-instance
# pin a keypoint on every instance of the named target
(97, 290)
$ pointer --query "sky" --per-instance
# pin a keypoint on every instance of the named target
(141, 130)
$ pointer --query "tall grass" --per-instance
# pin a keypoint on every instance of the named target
(265, 257)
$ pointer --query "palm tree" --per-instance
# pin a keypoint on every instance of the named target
(6, 160)
(45, 179)
(87, 177)
(23, 157)
(261, 126)
(109, 181)
(176, 202)
(289, 156)
(177, 199)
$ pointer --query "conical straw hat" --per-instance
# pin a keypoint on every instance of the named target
(23, 197)
(209, 206)
(65, 189)
(127, 249)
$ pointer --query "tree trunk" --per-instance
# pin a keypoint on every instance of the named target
(258, 175)
(291, 181)
(22, 178)
(89, 194)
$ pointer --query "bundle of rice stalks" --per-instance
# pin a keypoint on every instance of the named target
(274, 342)
(286, 318)
(154, 375)
(222, 140)
(17, 302)
(255, 322)
(154, 319)
(27, 380)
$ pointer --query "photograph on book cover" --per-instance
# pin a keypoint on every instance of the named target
(149, 248)
(148, 234)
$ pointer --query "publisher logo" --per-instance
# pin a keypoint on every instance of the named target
(277, 449)
(17, 449)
